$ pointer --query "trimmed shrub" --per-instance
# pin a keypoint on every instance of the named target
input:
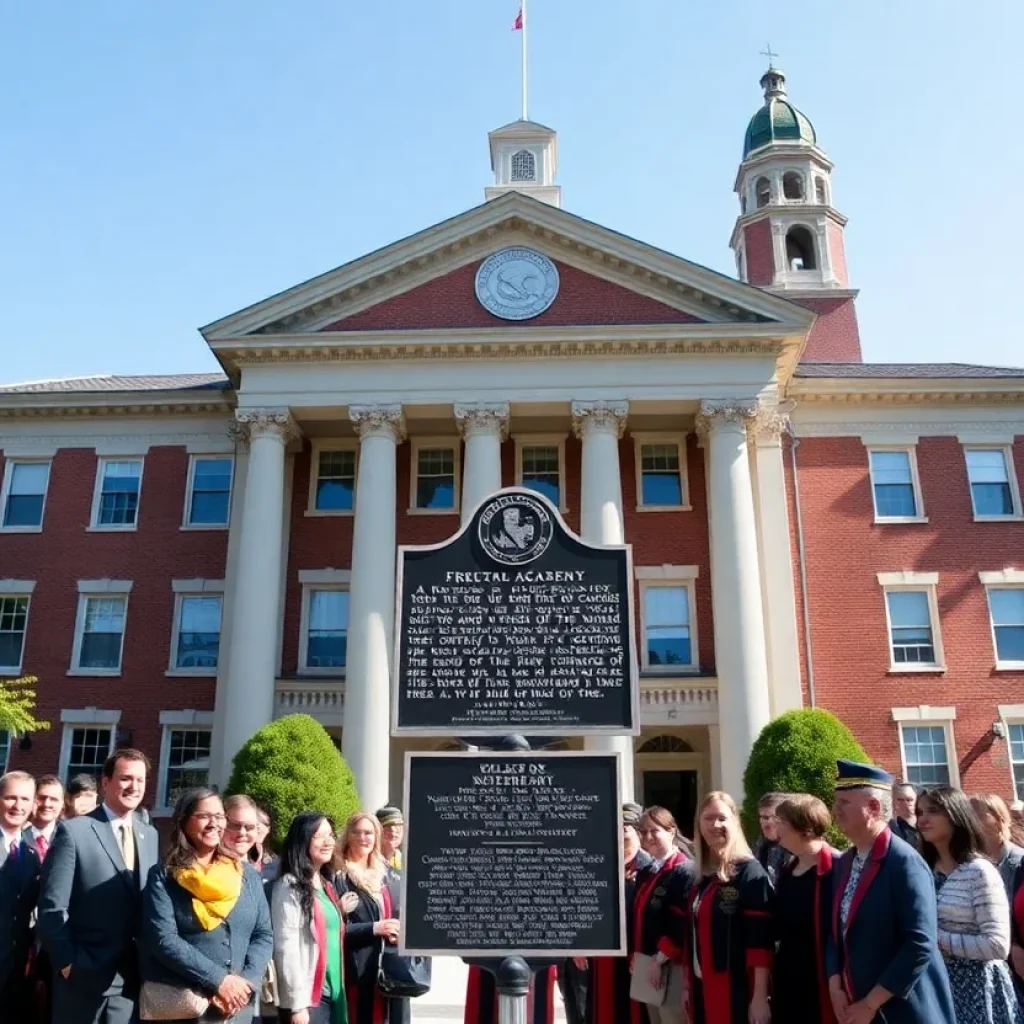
(290, 766)
(797, 753)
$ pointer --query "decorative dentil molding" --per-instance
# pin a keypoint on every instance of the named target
(378, 421)
(482, 418)
(251, 424)
(599, 417)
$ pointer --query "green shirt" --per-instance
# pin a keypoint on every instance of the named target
(334, 979)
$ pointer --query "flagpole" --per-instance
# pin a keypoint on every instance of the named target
(525, 22)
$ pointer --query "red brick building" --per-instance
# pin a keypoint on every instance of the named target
(183, 558)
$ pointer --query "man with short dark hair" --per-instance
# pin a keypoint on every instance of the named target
(91, 898)
(19, 887)
(904, 817)
(46, 814)
(770, 853)
(82, 796)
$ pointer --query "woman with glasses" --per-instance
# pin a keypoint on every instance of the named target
(206, 931)
(261, 857)
(241, 825)
(308, 926)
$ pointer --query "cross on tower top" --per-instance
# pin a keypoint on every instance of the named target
(767, 52)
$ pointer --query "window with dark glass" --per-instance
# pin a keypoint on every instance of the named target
(910, 627)
(89, 748)
(667, 626)
(336, 481)
(924, 747)
(661, 480)
(1007, 607)
(199, 632)
(991, 493)
(435, 478)
(327, 632)
(188, 762)
(13, 619)
(119, 493)
(103, 633)
(26, 493)
(542, 472)
(893, 482)
(210, 503)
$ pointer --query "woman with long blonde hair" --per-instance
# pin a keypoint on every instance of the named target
(361, 869)
(729, 939)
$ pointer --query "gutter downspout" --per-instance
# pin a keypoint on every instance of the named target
(802, 560)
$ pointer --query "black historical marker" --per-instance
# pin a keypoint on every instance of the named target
(513, 855)
(515, 624)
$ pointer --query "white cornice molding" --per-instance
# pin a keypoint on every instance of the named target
(896, 430)
(1002, 577)
(120, 403)
(912, 390)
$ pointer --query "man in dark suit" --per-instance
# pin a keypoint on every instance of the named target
(904, 820)
(882, 957)
(91, 895)
(19, 888)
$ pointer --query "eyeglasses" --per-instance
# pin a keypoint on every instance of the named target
(332, 839)
(205, 818)
(238, 826)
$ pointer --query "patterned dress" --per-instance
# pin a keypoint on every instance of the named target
(974, 938)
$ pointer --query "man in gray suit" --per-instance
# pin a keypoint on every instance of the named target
(89, 905)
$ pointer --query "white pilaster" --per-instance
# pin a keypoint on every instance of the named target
(248, 686)
(715, 743)
(600, 425)
(736, 587)
(483, 427)
(365, 737)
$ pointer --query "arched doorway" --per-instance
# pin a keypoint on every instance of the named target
(669, 774)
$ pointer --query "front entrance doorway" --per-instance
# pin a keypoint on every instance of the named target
(676, 790)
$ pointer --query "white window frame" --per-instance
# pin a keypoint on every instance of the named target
(935, 716)
(5, 491)
(915, 480)
(1006, 447)
(679, 440)
(319, 579)
(417, 444)
(15, 589)
(192, 588)
(84, 718)
(175, 721)
(101, 464)
(1007, 579)
(98, 588)
(914, 581)
(330, 445)
(544, 440)
(676, 576)
(1011, 714)
(6, 759)
(186, 512)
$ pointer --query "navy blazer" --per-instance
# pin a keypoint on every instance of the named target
(890, 937)
(176, 950)
(19, 890)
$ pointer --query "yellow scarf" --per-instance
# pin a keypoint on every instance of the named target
(214, 890)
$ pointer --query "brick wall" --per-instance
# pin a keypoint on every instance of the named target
(846, 549)
(837, 250)
(835, 336)
(760, 252)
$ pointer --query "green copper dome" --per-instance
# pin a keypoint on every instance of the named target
(778, 120)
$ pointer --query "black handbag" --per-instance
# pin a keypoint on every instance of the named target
(402, 977)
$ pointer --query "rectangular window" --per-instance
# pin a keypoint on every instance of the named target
(910, 627)
(89, 748)
(198, 632)
(336, 481)
(667, 627)
(1006, 606)
(118, 499)
(102, 633)
(25, 494)
(541, 470)
(5, 749)
(1015, 732)
(13, 620)
(661, 478)
(435, 478)
(327, 630)
(991, 491)
(925, 754)
(892, 479)
(188, 762)
(209, 496)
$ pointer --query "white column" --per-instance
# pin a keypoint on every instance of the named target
(248, 690)
(600, 425)
(483, 427)
(365, 737)
(735, 587)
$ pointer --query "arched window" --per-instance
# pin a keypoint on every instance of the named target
(800, 253)
(664, 745)
(793, 185)
(763, 192)
(820, 192)
(524, 166)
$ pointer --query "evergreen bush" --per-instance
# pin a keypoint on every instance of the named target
(290, 766)
(797, 753)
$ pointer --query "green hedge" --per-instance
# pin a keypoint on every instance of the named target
(290, 766)
(797, 753)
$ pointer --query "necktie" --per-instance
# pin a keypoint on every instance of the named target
(12, 851)
(42, 845)
(127, 847)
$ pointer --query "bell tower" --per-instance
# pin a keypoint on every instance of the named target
(524, 158)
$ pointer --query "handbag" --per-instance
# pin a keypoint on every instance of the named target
(158, 1001)
(402, 977)
(640, 988)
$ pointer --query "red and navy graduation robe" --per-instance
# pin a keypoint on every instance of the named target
(608, 999)
(1017, 927)
(482, 997)
(732, 928)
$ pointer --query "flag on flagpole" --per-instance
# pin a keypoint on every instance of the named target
(517, 25)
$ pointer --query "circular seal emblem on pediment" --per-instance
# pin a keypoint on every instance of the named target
(515, 529)
(516, 283)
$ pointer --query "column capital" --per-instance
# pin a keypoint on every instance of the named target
(378, 421)
(251, 424)
(717, 413)
(599, 417)
(482, 418)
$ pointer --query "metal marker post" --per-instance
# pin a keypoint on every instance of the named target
(513, 978)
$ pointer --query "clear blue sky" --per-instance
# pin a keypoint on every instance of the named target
(164, 164)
